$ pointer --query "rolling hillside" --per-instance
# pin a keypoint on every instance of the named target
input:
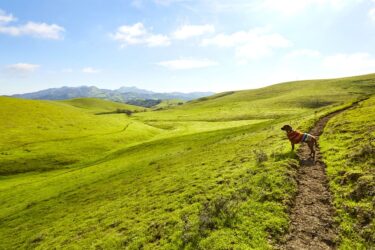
(100, 105)
(214, 173)
(271, 102)
(349, 149)
(45, 135)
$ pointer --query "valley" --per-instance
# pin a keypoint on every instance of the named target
(211, 173)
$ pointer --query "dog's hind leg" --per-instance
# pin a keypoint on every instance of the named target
(316, 146)
(313, 155)
(312, 150)
(315, 142)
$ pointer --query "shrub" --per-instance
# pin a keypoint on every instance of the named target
(125, 111)
(260, 156)
(219, 212)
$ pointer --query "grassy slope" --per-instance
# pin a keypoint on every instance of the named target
(142, 197)
(99, 105)
(349, 150)
(169, 103)
(43, 135)
(271, 102)
(196, 184)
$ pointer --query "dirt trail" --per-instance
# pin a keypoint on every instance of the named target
(312, 225)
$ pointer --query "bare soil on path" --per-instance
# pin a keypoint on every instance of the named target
(312, 225)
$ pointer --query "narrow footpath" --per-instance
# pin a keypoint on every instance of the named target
(312, 225)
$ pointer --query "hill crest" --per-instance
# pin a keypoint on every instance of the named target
(123, 94)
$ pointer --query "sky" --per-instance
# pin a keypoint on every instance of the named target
(182, 45)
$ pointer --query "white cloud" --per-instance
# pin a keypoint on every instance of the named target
(41, 30)
(349, 64)
(304, 53)
(23, 67)
(181, 64)
(284, 7)
(292, 7)
(130, 34)
(138, 34)
(250, 44)
(157, 40)
(6, 18)
(89, 70)
(188, 31)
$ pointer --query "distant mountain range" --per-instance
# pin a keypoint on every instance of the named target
(123, 94)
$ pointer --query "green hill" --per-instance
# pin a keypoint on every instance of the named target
(349, 150)
(209, 174)
(42, 135)
(271, 102)
(101, 105)
(164, 104)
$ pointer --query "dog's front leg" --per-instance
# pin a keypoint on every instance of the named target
(292, 146)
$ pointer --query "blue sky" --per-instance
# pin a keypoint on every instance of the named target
(182, 45)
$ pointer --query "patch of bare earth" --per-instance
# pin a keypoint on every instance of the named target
(312, 225)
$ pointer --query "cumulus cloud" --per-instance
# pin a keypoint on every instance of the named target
(90, 70)
(41, 30)
(23, 67)
(157, 40)
(6, 18)
(20, 69)
(138, 34)
(250, 44)
(350, 64)
(188, 31)
(181, 64)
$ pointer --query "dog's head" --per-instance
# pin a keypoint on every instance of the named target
(286, 128)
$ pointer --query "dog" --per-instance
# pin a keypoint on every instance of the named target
(296, 137)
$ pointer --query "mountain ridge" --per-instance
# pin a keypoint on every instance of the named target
(122, 94)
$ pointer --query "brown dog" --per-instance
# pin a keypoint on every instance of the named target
(296, 137)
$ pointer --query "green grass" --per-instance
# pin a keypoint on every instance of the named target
(44, 135)
(215, 173)
(168, 104)
(134, 194)
(276, 101)
(100, 105)
(349, 151)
